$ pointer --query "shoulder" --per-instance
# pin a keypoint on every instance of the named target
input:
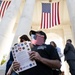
(53, 52)
(69, 45)
(58, 49)
(51, 48)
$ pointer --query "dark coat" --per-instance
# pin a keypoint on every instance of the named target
(69, 52)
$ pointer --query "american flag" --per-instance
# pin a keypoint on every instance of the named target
(50, 15)
(3, 7)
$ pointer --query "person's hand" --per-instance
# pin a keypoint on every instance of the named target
(16, 65)
(35, 55)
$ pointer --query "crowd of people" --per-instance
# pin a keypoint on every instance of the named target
(47, 56)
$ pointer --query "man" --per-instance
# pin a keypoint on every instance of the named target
(69, 53)
(46, 56)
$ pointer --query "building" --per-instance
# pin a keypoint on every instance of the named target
(23, 15)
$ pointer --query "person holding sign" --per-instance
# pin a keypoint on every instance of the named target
(46, 56)
(9, 70)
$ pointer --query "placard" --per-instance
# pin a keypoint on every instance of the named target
(20, 54)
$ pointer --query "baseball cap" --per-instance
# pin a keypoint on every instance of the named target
(40, 32)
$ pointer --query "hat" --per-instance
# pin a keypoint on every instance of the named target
(32, 32)
(40, 32)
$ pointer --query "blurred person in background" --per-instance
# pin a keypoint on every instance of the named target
(57, 71)
(69, 53)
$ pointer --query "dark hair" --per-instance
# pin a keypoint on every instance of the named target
(69, 40)
(24, 38)
(40, 32)
(53, 43)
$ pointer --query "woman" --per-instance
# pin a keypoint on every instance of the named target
(57, 48)
(56, 71)
(9, 70)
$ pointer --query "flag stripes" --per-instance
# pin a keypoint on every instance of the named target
(3, 7)
(50, 15)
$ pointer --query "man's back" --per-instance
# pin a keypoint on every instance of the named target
(69, 52)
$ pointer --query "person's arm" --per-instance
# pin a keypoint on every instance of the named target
(66, 49)
(10, 71)
(51, 63)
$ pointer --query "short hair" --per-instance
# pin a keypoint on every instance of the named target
(69, 40)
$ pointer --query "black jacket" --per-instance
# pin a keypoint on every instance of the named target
(69, 52)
